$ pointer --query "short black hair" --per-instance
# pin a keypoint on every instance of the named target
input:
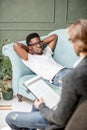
(30, 36)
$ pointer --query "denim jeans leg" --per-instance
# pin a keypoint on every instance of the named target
(22, 120)
(60, 75)
(33, 109)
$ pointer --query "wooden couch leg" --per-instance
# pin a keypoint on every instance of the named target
(19, 97)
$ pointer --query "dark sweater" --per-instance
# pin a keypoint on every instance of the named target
(74, 91)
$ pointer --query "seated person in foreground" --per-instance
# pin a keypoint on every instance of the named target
(74, 91)
(37, 55)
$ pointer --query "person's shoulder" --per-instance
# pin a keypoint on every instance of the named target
(71, 76)
(76, 75)
(81, 70)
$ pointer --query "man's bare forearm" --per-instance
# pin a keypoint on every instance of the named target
(50, 38)
(22, 46)
(22, 50)
(51, 41)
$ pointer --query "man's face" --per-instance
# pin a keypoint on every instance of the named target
(35, 46)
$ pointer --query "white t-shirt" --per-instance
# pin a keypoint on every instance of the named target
(43, 65)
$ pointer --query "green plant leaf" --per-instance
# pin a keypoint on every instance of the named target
(5, 64)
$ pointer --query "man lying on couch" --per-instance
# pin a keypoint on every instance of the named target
(37, 55)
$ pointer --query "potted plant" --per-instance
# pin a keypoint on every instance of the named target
(5, 64)
(7, 92)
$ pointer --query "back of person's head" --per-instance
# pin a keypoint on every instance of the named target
(78, 31)
(31, 36)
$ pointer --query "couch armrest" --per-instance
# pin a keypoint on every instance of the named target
(18, 68)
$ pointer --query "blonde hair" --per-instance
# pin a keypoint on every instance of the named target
(78, 31)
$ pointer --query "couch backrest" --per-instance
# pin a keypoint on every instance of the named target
(64, 52)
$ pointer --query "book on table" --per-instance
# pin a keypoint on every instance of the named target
(38, 87)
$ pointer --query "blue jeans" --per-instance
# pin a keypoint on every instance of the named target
(57, 79)
(26, 120)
